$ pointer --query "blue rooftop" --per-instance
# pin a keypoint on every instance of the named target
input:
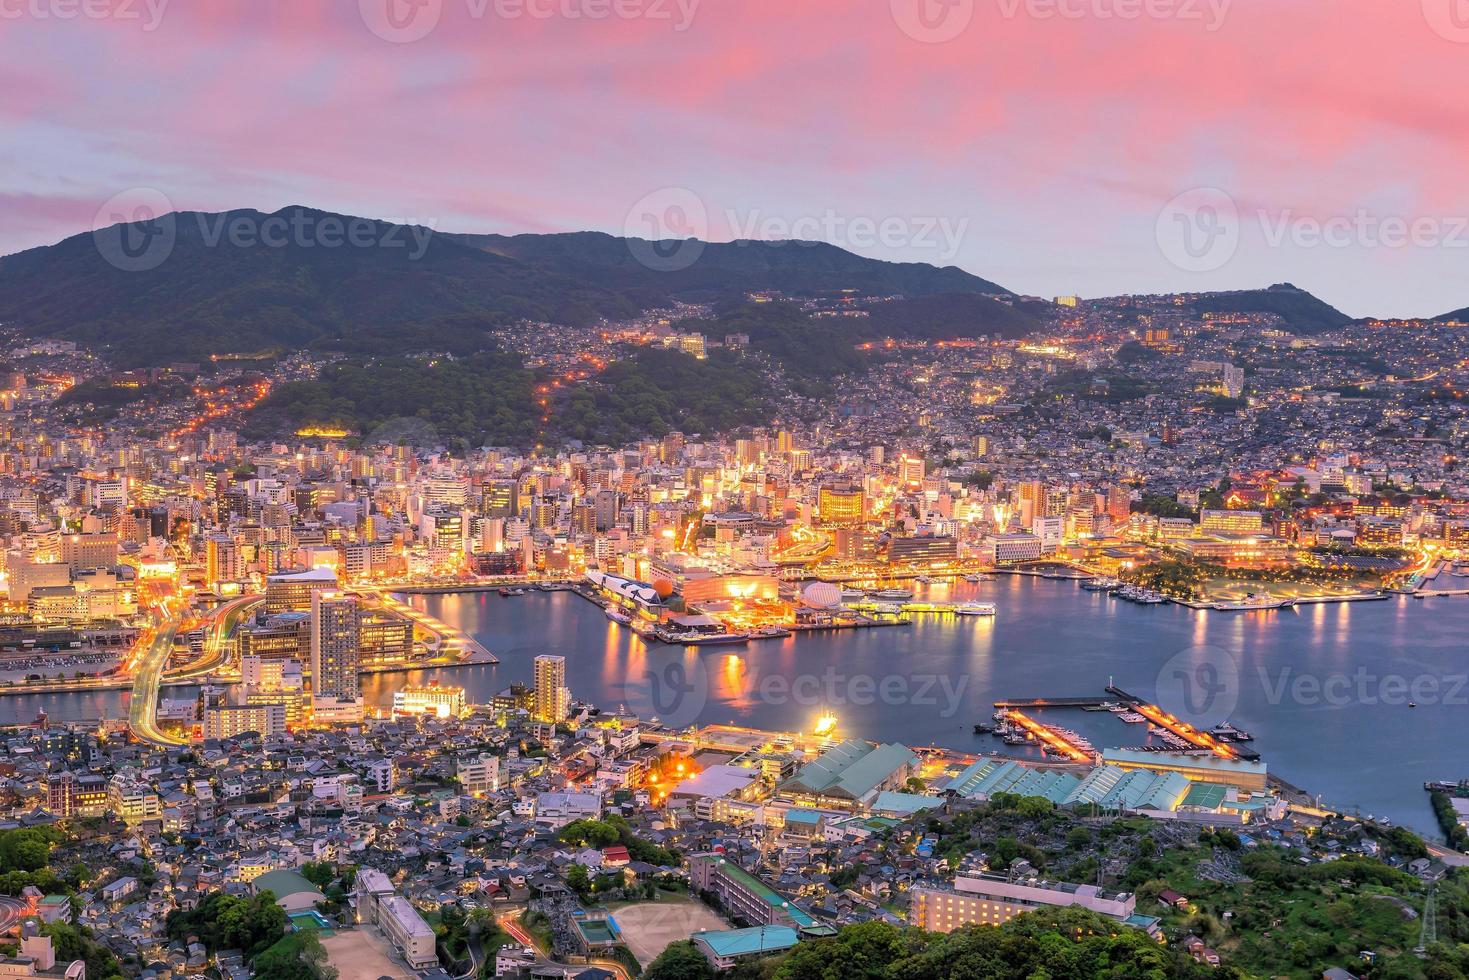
(748, 942)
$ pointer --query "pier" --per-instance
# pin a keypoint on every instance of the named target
(1050, 737)
(1199, 740)
(1009, 703)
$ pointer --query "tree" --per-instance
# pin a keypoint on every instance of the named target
(680, 961)
(298, 956)
(319, 873)
(578, 880)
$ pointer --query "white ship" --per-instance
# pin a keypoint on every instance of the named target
(975, 609)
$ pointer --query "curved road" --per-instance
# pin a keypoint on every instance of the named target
(149, 670)
(12, 910)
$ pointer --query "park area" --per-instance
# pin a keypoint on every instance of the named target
(648, 927)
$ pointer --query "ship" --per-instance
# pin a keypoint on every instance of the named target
(893, 594)
(853, 595)
(1100, 584)
(975, 609)
(1225, 732)
(618, 616)
(693, 638)
(1253, 601)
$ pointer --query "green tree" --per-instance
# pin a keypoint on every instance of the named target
(680, 961)
(298, 956)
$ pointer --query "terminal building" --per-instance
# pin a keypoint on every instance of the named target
(852, 774)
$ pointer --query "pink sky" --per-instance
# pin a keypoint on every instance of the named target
(1034, 142)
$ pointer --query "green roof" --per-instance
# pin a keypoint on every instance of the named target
(1206, 796)
(747, 942)
(851, 770)
(283, 884)
(765, 893)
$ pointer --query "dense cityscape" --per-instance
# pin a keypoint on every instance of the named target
(679, 490)
(240, 590)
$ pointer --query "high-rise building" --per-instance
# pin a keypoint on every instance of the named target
(293, 590)
(80, 551)
(841, 506)
(553, 699)
(336, 640)
(910, 471)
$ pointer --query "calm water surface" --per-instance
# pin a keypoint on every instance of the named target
(1324, 689)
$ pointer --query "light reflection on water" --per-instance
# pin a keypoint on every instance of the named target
(1050, 638)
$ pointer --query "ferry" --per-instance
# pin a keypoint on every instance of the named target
(975, 609)
(618, 616)
(770, 632)
(1100, 584)
(713, 639)
(887, 608)
(853, 595)
(889, 594)
(1253, 601)
(1226, 732)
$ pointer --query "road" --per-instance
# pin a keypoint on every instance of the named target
(511, 924)
(12, 910)
(150, 667)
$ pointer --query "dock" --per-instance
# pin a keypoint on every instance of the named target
(1199, 740)
(1050, 737)
(1009, 703)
